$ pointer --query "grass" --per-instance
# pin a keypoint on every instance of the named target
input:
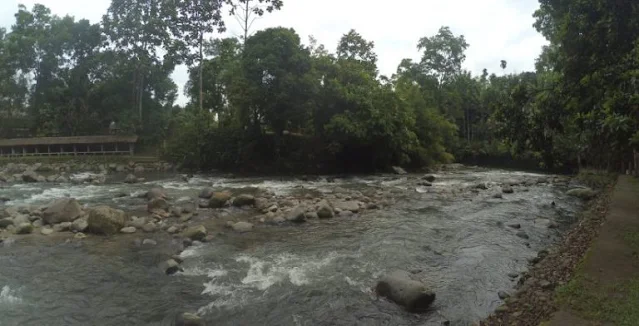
(616, 304)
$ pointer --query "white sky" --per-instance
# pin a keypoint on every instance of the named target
(495, 29)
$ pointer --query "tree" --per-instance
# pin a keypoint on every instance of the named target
(503, 64)
(443, 54)
(247, 11)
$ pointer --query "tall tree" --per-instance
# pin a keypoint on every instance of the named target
(247, 11)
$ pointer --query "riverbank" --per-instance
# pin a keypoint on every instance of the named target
(534, 300)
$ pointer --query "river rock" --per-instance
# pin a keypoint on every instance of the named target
(149, 227)
(242, 227)
(398, 170)
(352, 206)
(498, 195)
(46, 231)
(170, 266)
(106, 220)
(206, 193)
(80, 235)
(173, 229)
(5, 222)
(24, 228)
(30, 176)
(244, 200)
(156, 193)
(62, 210)
(503, 295)
(138, 169)
(514, 225)
(80, 225)
(481, 185)
(297, 215)
(149, 242)
(195, 232)
(219, 199)
(21, 219)
(345, 214)
(311, 216)
(130, 178)
(429, 178)
(400, 288)
(157, 205)
(128, 229)
(175, 211)
(583, 193)
(325, 210)
(522, 235)
(52, 178)
(62, 227)
(507, 189)
(189, 319)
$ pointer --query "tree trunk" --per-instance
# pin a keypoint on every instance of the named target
(200, 72)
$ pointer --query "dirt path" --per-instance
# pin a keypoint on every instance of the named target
(605, 288)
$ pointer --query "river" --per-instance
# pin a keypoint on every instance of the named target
(454, 239)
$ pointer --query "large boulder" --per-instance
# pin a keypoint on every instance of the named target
(157, 204)
(325, 210)
(583, 193)
(244, 200)
(219, 199)
(401, 289)
(30, 176)
(106, 220)
(62, 210)
(195, 233)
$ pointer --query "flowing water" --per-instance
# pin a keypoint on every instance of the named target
(312, 274)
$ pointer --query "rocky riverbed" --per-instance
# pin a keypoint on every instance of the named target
(318, 241)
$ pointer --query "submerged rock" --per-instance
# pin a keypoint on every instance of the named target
(242, 227)
(195, 233)
(400, 288)
(522, 235)
(62, 210)
(170, 266)
(189, 319)
(106, 220)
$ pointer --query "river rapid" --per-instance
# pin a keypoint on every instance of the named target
(452, 236)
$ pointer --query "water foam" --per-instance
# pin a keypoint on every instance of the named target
(8, 296)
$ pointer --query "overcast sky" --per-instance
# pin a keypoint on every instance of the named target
(495, 29)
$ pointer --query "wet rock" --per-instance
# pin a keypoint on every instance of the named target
(63, 227)
(120, 168)
(514, 225)
(345, 214)
(398, 170)
(503, 295)
(507, 189)
(157, 205)
(149, 227)
(372, 206)
(206, 193)
(501, 309)
(522, 235)
(149, 242)
(244, 200)
(80, 235)
(189, 319)
(297, 215)
(130, 178)
(52, 178)
(352, 206)
(20, 219)
(80, 225)
(175, 211)
(105, 220)
(46, 231)
(156, 193)
(311, 216)
(195, 232)
(219, 199)
(498, 195)
(583, 193)
(169, 267)
(273, 208)
(242, 227)
(513, 275)
(325, 210)
(62, 210)
(173, 229)
(400, 288)
(429, 178)
(120, 195)
(5, 222)
(24, 228)
(128, 229)
(138, 169)
(425, 184)
(481, 185)
(4, 199)
(31, 176)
